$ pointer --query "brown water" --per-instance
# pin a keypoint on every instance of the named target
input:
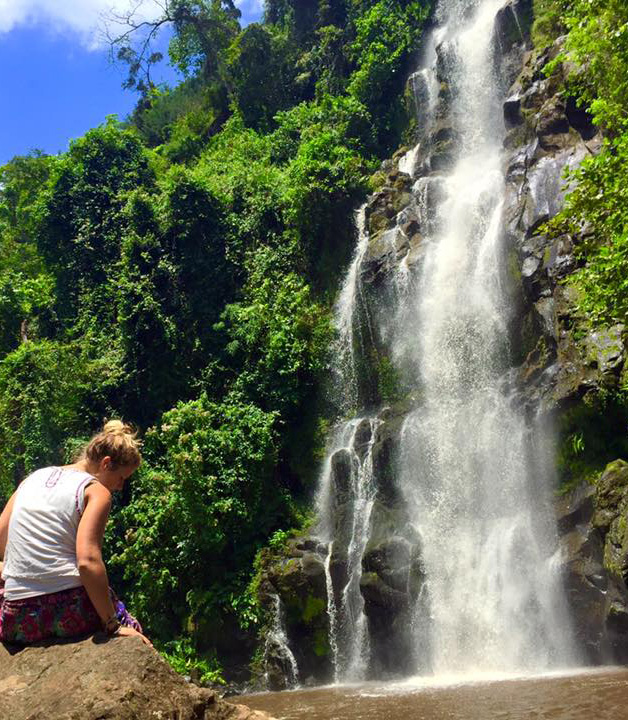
(596, 695)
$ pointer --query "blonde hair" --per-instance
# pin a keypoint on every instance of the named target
(116, 440)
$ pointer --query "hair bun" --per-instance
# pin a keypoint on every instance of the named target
(117, 427)
(116, 440)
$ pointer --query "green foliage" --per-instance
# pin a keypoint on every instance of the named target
(184, 659)
(597, 41)
(203, 30)
(278, 540)
(20, 183)
(49, 392)
(156, 114)
(26, 288)
(598, 203)
(80, 222)
(278, 337)
(194, 521)
(386, 37)
(589, 438)
(237, 166)
(327, 176)
(261, 67)
(548, 21)
(179, 270)
(25, 307)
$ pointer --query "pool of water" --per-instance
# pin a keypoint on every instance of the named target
(600, 694)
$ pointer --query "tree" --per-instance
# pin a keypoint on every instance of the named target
(200, 507)
(26, 288)
(81, 221)
(203, 29)
(262, 68)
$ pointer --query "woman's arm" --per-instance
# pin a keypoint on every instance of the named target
(89, 538)
(5, 517)
(91, 567)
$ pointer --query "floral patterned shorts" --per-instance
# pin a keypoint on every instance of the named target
(64, 614)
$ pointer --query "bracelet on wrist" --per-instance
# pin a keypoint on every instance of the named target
(112, 625)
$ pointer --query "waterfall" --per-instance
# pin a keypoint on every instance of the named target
(332, 612)
(277, 642)
(345, 378)
(495, 600)
(348, 486)
(475, 487)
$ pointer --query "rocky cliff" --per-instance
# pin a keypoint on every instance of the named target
(561, 371)
(119, 679)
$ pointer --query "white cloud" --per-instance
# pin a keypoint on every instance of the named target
(82, 17)
(85, 17)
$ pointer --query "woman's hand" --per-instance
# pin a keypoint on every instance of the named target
(124, 631)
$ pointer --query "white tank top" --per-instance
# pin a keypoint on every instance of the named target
(40, 555)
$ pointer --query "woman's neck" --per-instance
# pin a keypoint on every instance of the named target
(84, 465)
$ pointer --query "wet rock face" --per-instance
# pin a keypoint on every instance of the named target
(512, 37)
(512, 24)
(594, 544)
(391, 568)
(392, 577)
(562, 369)
(297, 577)
(95, 679)
(551, 135)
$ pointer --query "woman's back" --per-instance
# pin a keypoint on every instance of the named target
(41, 548)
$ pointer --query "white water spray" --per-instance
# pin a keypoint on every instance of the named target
(494, 596)
(475, 489)
(278, 640)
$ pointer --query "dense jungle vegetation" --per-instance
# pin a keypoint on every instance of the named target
(178, 270)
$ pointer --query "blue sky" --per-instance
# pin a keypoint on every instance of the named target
(56, 81)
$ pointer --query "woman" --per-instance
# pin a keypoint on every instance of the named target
(51, 533)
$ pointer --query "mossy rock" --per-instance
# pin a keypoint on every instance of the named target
(605, 350)
(376, 181)
(320, 643)
(314, 608)
(612, 486)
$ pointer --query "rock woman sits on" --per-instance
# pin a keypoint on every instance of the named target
(51, 533)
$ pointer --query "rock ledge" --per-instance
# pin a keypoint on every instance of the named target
(115, 679)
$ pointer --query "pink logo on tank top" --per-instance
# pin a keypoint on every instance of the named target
(53, 478)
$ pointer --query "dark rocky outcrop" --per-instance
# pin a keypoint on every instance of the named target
(297, 576)
(115, 679)
(566, 366)
(594, 542)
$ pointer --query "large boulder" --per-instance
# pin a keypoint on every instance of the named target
(103, 679)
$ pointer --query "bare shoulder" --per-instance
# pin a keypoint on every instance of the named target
(97, 494)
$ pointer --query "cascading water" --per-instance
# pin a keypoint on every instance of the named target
(485, 593)
(277, 640)
(487, 542)
(345, 379)
(348, 624)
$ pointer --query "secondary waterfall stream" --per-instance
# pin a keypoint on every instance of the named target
(470, 472)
